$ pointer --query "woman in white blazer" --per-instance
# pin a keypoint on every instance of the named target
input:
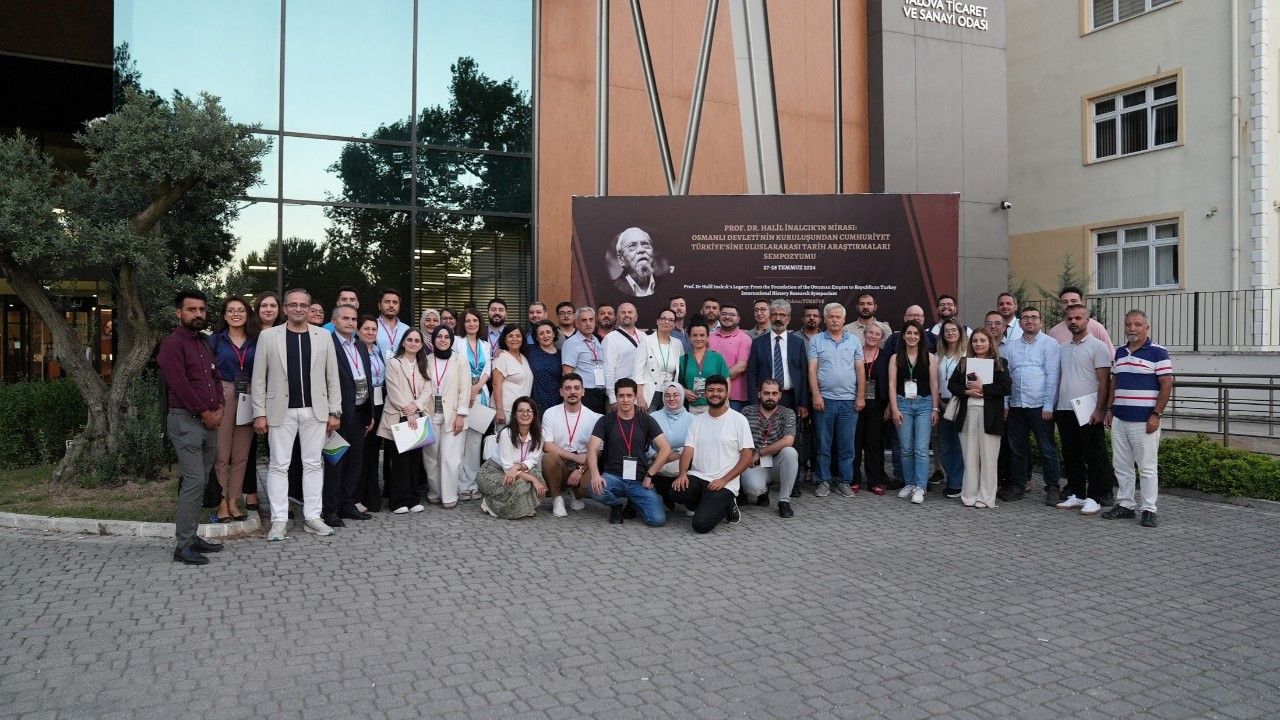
(408, 399)
(473, 351)
(656, 361)
(449, 384)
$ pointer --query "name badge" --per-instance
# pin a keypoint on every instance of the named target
(871, 388)
(766, 461)
(909, 390)
(362, 390)
(598, 374)
(629, 465)
(700, 386)
(377, 395)
(439, 406)
(242, 383)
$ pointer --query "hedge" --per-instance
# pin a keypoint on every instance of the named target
(37, 417)
(1203, 464)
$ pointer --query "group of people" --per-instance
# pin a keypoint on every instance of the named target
(699, 412)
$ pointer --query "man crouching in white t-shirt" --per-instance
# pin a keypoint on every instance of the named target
(718, 448)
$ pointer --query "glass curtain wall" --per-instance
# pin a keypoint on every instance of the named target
(401, 138)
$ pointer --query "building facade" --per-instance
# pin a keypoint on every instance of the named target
(1142, 145)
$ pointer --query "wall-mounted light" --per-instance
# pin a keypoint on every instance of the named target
(1212, 211)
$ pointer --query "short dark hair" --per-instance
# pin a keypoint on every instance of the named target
(945, 296)
(498, 300)
(563, 304)
(569, 376)
(863, 294)
(539, 303)
(382, 295)
(366, 318)
(708, 299)
(625, 383)
(1075, 306)
(348, 288)
(768, 381)
(609, 305)
(1007, 293)
(1029, 308)
(757, 301)
(673, 298)
(188, 294)
(717, 379)
(1071, 288)
(809, 307)
(993, 312)
(728, 306)
(295, 291)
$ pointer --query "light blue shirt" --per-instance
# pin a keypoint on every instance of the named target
(674, 425)
(585, 355)
(1035, 367)
(837, 373)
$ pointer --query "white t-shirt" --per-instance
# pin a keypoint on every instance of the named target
(560, 427)
(517, 379)
(506, 455)
(717, 445)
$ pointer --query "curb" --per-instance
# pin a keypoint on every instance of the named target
(1255, 503)
(132, 528)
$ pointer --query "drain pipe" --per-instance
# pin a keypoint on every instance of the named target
(1235, 161)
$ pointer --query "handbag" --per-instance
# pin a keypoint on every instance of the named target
(953, 408)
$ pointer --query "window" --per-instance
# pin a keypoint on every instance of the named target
(1135, 120)
(1136, 257)
(1109, 12)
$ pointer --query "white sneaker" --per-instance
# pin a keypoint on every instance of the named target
(401, 510)
(417, 508)
(576, 504)
(1071, 503)
(917, 496)
(557, 508)
(317, 527)
(1091, 507)
(277, 531)
(905, 492)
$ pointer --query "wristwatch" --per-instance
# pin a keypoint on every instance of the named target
(336, 415)
(1157, 414)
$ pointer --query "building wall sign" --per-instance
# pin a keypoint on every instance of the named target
(947, 12)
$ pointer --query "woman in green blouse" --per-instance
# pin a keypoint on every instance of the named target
(697, 366)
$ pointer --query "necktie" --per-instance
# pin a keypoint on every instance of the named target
(777, 359)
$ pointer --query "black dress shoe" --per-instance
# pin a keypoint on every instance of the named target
(354, 515)
(784, 509)
(763, 500)
(203, 546)
(629, 512)
(334, 522)
(189, 556)
(795, 491)
(1148, 518)
(1013, 493)
(616, 515)
(1119, 512)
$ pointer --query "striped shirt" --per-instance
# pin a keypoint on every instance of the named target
(766, 432)
(1137, 377)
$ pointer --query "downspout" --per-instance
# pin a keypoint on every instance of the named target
(1235, 162)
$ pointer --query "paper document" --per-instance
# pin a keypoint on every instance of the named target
(408, 438)
(334, 448)
(985, 369)
(244, 409)
(1084, 407)
(479, 417)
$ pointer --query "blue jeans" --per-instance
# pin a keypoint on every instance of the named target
(737, 405)
(1022, 422)
(646, 500)
(949, 448)
(913, 439)
(837, 423)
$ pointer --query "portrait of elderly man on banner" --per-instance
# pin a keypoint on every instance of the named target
(636, 268)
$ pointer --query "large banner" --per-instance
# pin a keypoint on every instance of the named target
(806, 249)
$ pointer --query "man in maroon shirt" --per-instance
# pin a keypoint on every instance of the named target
(195, 410)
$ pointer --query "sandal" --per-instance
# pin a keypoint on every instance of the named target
(450, 506)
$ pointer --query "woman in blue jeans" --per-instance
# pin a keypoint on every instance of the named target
(951, 347)
(914, 407)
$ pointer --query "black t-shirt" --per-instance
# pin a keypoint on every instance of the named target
(641, 430)
(298, 357)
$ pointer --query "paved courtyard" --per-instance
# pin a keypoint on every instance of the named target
(867, 607)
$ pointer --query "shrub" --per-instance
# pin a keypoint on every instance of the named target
(36, 419)
(1200, 463)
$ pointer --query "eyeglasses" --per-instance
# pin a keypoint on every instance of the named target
(993, 323)
(666, 319)
(295, 306)
(525, 411)
(234, 311)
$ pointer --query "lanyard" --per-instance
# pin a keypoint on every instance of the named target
(592, 347)
(666, 357)
(911, 369)
(391, 336)
(357, 368)
(630, 431)
(440, 376)
(698, 362)
(413, 383)
(524, 449)
(474, 359)
(574, 431)
(870, 358)
(768, 428)
(375, 359)
(240, 356)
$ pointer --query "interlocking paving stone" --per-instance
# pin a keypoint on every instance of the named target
(869, 607)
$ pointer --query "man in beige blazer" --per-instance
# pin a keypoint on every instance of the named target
(296, 395)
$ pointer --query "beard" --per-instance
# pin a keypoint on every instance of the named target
(716, 405)
(769, 405)
(497, 321)
(196, 325)
(640, 266)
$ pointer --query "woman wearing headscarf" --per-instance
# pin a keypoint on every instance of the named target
(428, 321)
(674, 420)
(449, 388)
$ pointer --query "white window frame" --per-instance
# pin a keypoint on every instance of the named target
(1152, 243)
(1150, 105)
(1148, 6)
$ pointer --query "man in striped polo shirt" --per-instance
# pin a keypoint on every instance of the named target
(1141, 382)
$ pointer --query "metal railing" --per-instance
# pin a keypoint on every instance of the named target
(1225, 405)
(1212, 320)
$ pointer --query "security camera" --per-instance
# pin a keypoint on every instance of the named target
(1006, 205)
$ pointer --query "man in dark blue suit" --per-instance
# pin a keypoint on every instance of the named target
(776, 349)
(354, 371)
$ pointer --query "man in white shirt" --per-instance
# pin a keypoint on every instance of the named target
(564, 458)
(718, 449)
(948, 310)
(620, 350)
(1086, 370)
(1007, 306)
(390, 329)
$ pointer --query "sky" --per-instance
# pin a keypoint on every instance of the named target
(348, 69)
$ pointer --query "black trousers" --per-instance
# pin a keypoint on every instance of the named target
(868, 444)
(405, 478)
(709, 506)
(343, 477)
(369, 492)
(1084, 457)
(596, 399)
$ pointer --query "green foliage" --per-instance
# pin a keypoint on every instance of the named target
(1072, 275)
(36, 420)
(1201, 463)
(143, 454)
